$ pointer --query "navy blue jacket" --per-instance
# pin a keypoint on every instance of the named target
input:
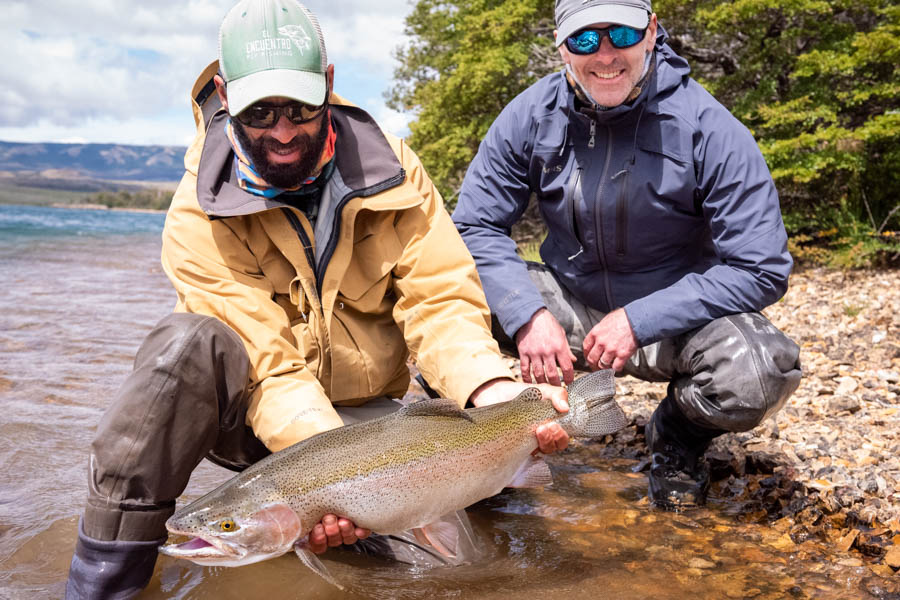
(663, 206)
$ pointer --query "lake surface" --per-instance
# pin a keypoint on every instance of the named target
(81, 288)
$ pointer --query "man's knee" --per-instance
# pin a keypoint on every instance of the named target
(188, 336)
(185, 395)
(735, 372)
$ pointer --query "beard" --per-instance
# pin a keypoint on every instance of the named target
(286, 175)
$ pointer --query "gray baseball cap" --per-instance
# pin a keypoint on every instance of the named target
(572, 15)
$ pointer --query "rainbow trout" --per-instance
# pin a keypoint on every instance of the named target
(399, 472)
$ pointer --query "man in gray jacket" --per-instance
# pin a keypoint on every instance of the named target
(665, 238)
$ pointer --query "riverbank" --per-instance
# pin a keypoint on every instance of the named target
(92, 206)
(827, 467)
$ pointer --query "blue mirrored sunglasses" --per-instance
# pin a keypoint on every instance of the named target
(587, 41)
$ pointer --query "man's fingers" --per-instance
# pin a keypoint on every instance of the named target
(551, 371)
(605, 361)
(537, 369)
(348, 531)
(591, 354)
(362, 533)
(332, 530)
(559, 398)
(551, 438)
(525, 367)
(317, 541)
(565, 359)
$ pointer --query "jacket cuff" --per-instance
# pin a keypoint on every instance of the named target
(467, 376)
(516, 310)
(284, 411)
(638, 313)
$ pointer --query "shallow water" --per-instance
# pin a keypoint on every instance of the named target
(80, 290)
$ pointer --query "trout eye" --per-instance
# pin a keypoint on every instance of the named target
(228, 525)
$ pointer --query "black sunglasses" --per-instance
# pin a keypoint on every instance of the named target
(265, 116)
(587, 41)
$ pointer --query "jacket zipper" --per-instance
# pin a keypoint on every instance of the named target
(338, 211)
(304, 239)
(622, 213)
(319, 270)
(598, 216)
(572, 205)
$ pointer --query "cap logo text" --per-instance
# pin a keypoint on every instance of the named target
(277, 46)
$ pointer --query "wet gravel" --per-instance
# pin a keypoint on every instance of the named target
(827, 466)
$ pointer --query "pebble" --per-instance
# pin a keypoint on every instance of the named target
(892, 557)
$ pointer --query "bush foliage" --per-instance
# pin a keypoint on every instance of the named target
(150, 199)
(817, 81)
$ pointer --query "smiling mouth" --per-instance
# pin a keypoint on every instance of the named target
(608, 75)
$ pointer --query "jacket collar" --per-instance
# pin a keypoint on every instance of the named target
(363, 157)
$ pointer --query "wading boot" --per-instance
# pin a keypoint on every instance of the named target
(679, 475)
(110, 570)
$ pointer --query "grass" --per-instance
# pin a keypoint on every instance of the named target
(18, 194)
(530, 251)
(852, 310)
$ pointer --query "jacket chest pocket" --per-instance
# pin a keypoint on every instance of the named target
(367, 280)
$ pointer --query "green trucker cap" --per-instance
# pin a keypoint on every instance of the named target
(272, 48)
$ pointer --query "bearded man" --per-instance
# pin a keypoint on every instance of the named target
(312, 257)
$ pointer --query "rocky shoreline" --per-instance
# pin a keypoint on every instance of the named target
(827, 467)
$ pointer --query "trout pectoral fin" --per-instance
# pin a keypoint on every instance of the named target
(312, 561)
(442, 535)
(534, 473)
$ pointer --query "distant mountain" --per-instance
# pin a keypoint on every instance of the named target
(117, 162)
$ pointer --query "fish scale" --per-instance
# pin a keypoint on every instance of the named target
(398, 472)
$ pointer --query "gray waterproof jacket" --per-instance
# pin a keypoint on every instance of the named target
(663, 206)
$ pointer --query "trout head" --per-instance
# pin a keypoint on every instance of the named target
(228, 536)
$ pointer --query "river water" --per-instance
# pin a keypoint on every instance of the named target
(81, 288)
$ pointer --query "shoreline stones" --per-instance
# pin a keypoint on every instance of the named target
(826, 468)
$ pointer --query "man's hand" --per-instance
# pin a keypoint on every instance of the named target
(542, 347)
(551, 437)
(611, 342)
(333, 531)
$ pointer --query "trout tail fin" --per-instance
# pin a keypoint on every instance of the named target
(593, 410)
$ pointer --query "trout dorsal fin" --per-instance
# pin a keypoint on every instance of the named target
(435, 407)
(531, 394)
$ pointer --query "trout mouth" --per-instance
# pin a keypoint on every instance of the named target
(198, 548)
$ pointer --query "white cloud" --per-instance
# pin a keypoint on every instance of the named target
(117, 71)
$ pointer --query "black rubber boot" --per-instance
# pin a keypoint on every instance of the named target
(114, 570)
(679, 475)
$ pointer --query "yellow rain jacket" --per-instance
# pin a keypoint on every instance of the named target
(328, 321)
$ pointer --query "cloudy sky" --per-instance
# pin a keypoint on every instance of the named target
(120, 71)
